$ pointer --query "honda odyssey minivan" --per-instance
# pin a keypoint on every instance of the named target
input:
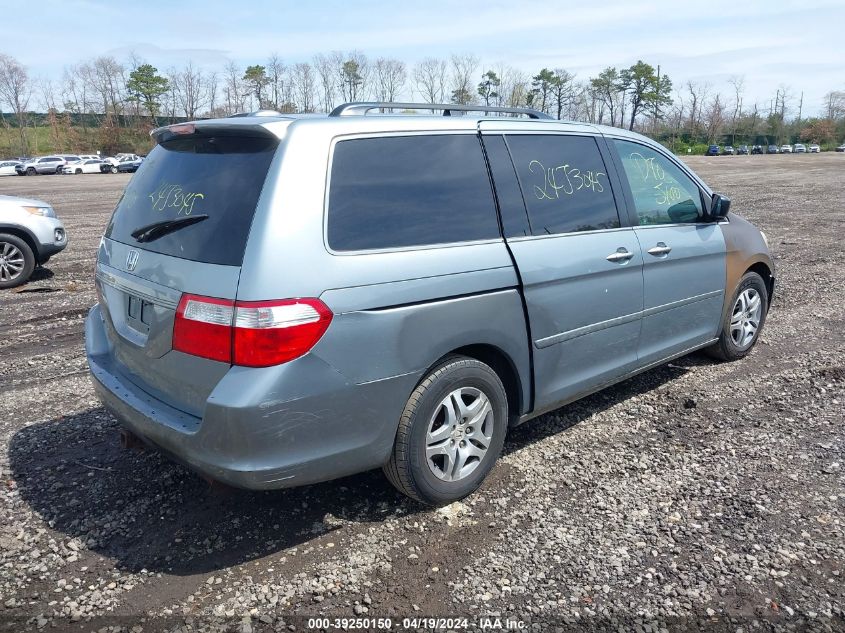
(286, 300)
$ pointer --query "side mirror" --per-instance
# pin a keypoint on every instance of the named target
(719, 206)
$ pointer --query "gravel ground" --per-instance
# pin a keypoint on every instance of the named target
(697, 496)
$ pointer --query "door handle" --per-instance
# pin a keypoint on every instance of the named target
(622, 254)
(660, 249)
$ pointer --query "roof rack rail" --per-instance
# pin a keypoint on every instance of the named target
(362, 107)
(256, 113)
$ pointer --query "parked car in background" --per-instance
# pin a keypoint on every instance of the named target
(799, 148)
(814, 149)
(111, 163)
(756, 149)
(91, 166)
(786, 148)
(742, 150)
(42, 165)
(728, 151)
(772, 149)
(129, 166)
(841, 148)
(712, 150)
(30, 233)
(7, 167)
(432, 305)
(114, 160)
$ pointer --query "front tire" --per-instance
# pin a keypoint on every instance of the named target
(16, 261)
(450, 433)
(114, 170)
(744, 322)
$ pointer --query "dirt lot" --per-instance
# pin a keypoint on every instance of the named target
(696, 495)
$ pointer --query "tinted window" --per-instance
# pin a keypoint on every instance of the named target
(409, 191)
(564, 182)
(663, 193)
(508, 193)
(219, 176)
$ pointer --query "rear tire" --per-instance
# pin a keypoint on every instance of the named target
(16, 261)
(450, 433)
(744, 321)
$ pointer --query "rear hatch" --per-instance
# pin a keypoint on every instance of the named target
(180, 228)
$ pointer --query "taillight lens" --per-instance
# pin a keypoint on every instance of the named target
(249, 333)
(274, 332)
(203, 327)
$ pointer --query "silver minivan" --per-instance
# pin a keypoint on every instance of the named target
(289, 299)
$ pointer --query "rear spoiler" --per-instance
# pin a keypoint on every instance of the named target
(214, 127)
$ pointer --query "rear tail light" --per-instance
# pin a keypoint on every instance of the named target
(249, 333)
(203, 327)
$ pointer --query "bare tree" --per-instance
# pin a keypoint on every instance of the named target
(430, 79)
(738, 84)
(211, 87)
(15, 91)
(109, 76)
(191, 90)
(513, 87)
(48, 101)
(462, 83)
(235, 91)
(325, 74)
(304, 84)
(390, 77)
(714, 118)
(75, 101)
(698, 93)
(834, 105)
(277, 76)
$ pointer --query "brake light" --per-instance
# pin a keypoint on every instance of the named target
(182, 128)
(203, 327)
(249, 333)
(274, 332)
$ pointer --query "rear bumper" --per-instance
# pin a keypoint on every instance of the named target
(294, 424)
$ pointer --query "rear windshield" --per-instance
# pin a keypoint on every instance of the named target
(217, 176)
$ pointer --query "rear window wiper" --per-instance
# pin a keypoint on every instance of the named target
(156, 230)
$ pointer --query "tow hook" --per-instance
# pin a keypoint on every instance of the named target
(129, 440)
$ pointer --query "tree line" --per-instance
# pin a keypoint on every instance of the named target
(113, 103)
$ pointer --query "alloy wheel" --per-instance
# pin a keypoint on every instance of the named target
(745, 320)
(11, 261)
(459, 434)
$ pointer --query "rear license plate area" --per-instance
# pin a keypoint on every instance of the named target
(138, 314)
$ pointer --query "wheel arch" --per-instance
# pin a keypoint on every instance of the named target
(23, 234)
(500, 362)
(768, 278)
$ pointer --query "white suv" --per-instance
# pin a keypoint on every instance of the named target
(43, 165)
(30, 233)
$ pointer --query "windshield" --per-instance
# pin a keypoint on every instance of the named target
(220, 177)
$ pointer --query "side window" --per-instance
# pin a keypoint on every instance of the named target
(663, 193)
(511, 203)
(394, 192)
(564, 182)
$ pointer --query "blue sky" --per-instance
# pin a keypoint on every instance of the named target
(799, 44)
